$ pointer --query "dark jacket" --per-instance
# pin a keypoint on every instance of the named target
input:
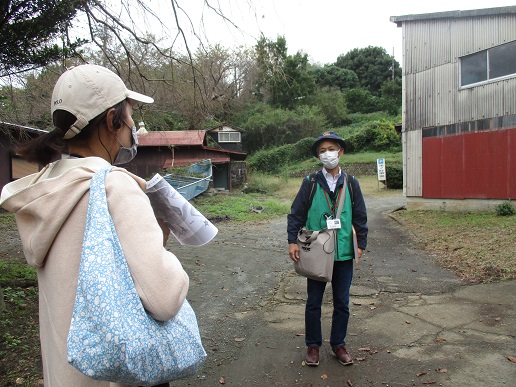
(298, 212)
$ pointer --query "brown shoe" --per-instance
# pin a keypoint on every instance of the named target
(342, 355)
(312, 356)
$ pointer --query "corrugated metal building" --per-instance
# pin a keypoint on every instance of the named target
(459, 108)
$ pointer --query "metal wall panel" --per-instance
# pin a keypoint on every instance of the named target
(440, 42)
(507, 28)
(413, 163)
(472, 165)
(422, 61)
(485, 33)
(451, 168)
(511, 162)
(431, 163)
(410, 111)
(464, 107)
(509, 96)
(485, 164)
(490, 100)
(444, 96)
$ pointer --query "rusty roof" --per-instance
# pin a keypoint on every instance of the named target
(176, 138)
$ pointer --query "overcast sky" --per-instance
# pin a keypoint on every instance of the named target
(324, 29)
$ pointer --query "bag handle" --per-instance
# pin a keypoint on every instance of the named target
(312, 237)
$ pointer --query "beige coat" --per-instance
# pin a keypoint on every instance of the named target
(50, 210)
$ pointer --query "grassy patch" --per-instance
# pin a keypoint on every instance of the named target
(7, 221)
(17, 271)
(20, 359)
(479, 247)
(239, 207)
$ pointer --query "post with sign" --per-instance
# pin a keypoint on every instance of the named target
(382, 176)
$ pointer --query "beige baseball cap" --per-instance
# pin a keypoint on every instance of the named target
(87, 91)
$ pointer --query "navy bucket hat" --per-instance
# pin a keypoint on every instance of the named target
(327, 136)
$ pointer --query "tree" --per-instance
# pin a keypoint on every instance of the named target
(332, 103)
(372, 65)
(391, 94)
(362, 101)
(334, 76)
(29, 29)
(283, 79)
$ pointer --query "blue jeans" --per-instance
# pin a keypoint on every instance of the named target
(341, 282)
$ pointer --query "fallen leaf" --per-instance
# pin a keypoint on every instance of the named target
(421, 373)
(373, 307)
(222, 380)
(364, 349)
(407, 322)
(442, 370)
(324, 376)
(439, 340)
(239, 339)
(349, 383)
(430, 382)
(356, 303)
(512, 358)
(498, 319)
(300, 334)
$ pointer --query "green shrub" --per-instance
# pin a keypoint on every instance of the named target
(394, 175)
(267, 127)
(375, 136)
(362, 101)
(274, 159)
(504, 209)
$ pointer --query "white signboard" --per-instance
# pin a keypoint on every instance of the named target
(380, 165)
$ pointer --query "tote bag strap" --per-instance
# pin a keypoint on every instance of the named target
(342, 197)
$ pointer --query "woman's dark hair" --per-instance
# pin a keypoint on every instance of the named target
(49, 146)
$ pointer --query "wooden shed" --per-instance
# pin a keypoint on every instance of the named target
(459, 108)
(167, 149)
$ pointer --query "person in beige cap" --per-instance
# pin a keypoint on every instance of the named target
(91, 111)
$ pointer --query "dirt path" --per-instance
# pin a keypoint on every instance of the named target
(413, 323)
(250, 306)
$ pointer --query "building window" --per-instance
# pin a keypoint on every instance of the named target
(229, 137)
(493, 63)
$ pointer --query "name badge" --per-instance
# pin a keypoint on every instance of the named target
(333, 224)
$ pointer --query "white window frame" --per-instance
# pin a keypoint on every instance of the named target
(230, 137)
(488, 79)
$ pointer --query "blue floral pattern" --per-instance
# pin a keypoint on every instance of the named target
(111, 336)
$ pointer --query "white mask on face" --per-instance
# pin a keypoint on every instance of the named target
(127, 154)
(329, 159)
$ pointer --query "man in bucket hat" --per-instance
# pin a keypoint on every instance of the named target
(315, 207)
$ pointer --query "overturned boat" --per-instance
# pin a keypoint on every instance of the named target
(194, 182)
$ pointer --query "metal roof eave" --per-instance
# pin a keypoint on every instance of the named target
(453, 14)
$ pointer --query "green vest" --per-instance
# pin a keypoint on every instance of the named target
(317, 221)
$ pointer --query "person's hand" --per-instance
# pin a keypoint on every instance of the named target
(359, 254)
(293, 251)
(165, 229)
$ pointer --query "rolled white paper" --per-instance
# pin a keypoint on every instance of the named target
(188, 225)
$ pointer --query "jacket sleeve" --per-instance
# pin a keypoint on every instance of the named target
(298, 211)
(359, 215)
(159, 278)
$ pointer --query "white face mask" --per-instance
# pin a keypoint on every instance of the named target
(127, 154)
(329, 159)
